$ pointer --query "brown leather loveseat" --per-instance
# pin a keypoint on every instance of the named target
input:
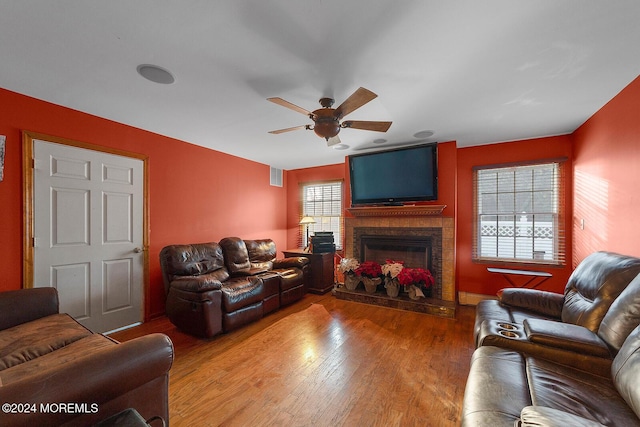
(54, 371)
(560, 359)
(218, 287)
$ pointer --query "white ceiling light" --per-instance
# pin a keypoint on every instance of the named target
(340, 147)
(155, 74)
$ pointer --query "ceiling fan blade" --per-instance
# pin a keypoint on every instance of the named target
(357, 99)
(288, 129)
(289, 105)
(367, 125)
(334, 140)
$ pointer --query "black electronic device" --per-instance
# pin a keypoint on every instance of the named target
(396, 176)
(322, 242)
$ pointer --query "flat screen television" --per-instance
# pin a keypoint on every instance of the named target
(394, 177)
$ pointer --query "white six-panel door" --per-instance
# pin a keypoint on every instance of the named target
(88, 222)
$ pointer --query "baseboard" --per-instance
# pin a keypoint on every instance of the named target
(467, 298)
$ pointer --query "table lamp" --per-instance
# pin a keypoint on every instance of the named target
(307, 220)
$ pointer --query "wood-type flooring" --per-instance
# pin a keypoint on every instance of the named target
(322, 362)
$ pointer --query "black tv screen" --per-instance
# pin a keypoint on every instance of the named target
(394, 176)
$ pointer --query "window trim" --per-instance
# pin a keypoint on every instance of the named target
(301, 213)
(560, 235)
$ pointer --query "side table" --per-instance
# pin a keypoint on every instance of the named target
(322, 269)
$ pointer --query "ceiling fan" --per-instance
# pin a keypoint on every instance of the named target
(326, 120)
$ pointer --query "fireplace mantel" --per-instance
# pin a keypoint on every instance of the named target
(412, 210)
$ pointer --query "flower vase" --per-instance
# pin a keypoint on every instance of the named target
(371, 284)
(392, 286)
(351, 282)
(415, 293)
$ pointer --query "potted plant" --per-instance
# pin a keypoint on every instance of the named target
(391, 269)
(423, 280)
(416, 281)
(369, 273)
(348, 267)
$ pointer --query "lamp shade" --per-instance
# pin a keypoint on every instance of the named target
(307, 220)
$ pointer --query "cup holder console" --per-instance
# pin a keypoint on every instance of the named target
(508, 326)
(508, 334)
(508, 330)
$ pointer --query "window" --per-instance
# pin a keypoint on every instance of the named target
(519, 213)
(323, 202)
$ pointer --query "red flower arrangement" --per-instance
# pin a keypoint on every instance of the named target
(411, 276)
(369, 269)
(421, 275)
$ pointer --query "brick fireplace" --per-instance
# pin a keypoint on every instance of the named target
(418, 235)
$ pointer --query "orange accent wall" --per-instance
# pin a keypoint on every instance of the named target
(195, 194)
(607, 178)
(471, 276)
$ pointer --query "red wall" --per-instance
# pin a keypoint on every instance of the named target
(472, 276)
(194, 193)
(607, 178)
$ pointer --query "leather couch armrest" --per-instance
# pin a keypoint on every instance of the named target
(543, 302)
(94, 379)
(25, 305)
(290, 262)
(531, 416)
(195, 283)
(566, 336)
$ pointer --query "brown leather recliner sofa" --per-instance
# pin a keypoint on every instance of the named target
(54, 371)
(218, 287)
(560, 359)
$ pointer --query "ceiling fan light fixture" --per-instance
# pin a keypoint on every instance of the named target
(155, 74)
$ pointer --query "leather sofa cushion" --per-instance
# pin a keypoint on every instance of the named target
(204, 283)
(565, 336)
(236, 256)
(577, 392)
(261, 252)
(623, 316)
(30, 340)
(537, 416)
(594, 285)
(67, 354)
(625, 370)
(192, 260)
(496, 388)
(241, 292)
(290, 278)
(501, 383)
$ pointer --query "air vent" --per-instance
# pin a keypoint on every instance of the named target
(276, 177)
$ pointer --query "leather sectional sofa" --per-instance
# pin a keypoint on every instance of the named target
(54, 371)
(560, 359)
(218, 287)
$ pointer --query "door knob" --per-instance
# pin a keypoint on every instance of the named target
(138, 250)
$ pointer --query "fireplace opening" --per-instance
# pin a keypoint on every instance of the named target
(415, 252)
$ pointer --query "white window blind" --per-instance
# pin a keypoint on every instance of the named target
(323, 202)
(519, 213)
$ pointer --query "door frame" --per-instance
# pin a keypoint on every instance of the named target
(28, 138)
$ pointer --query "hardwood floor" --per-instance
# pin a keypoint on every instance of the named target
(322, 362)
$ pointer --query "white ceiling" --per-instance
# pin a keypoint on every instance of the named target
(472, 71)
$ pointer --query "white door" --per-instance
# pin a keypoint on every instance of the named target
(88, 222)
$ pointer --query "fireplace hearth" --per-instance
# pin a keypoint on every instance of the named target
(419, 236)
